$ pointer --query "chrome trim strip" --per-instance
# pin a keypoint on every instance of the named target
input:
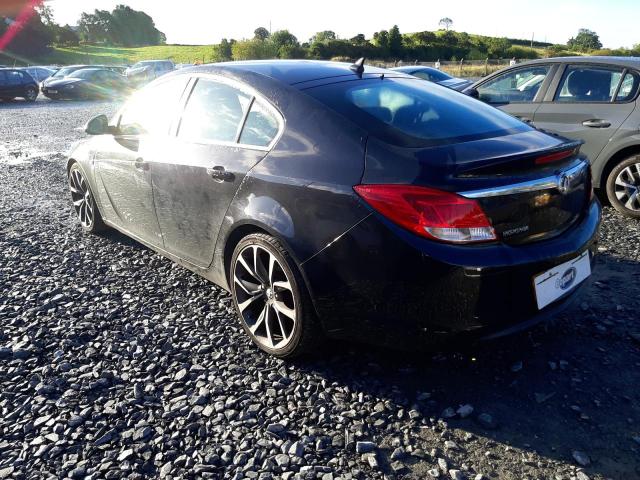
(545, 183)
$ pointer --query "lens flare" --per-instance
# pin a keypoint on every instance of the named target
(21, 20)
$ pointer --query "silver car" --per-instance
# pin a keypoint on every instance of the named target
(594, 99)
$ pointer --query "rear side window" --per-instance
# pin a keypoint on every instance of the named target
(432, 76)
(141, 114)
(261, 126)
(14, 78)
(415, 113)
(214, 112)
(628, 87)
(588, 84)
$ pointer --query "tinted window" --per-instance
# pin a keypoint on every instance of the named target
(519, 85)
(414, 112)
(628, 88)
(261, 126)
(214, 112)
(431, 75)
(588, 84)
(141, 114)
(63, 72)
(84, 73)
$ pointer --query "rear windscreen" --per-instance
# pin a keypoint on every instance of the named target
(415, 113)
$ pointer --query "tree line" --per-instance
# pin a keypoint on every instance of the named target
(123, 26)
(126, 27)
(444, 44)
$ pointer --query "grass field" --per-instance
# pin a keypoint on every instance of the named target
(91, 54)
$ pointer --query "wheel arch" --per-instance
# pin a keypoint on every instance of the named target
(251, 226)
(612, 161)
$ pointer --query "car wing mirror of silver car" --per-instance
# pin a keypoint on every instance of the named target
(98, 126)
(472, 92)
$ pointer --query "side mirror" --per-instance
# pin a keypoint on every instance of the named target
(97, 126)
(472, 92)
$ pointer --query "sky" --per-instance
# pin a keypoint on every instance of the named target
(207, 21)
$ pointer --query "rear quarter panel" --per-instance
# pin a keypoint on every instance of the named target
(301, 192)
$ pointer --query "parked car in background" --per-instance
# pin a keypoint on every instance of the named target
(334, 199)
(183, 65)
(594, 99)
(39, 74)
(121, 69)
(63, 72)
(87, 83)
(15, 83)
(148, 70)
(436, 76)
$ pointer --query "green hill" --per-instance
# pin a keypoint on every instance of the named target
(92, 54)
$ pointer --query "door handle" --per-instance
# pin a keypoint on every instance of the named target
(140, 164)
(219, 174)
(596, 123)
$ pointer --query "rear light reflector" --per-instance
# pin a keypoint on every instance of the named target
(556, 157)
(430, 213)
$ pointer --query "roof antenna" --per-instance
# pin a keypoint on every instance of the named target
(358, 67)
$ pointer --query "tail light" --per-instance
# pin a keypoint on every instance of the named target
(557, 156)
(430, 213)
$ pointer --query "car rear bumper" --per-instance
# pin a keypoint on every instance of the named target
(384, 285)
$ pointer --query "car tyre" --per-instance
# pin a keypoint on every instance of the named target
(271, 299)
(623, 187)
(31, 94)
(84, 202)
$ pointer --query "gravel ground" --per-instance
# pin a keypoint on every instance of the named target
(116, 363)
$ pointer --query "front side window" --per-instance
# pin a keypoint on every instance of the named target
(142, 114)
(261, 126)
(519, 85)
(214, 112)
(588, 84)
(412, 112)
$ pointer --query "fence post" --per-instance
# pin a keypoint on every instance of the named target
(461, 60)
(486, 66)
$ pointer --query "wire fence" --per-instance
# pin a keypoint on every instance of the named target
(459, 68)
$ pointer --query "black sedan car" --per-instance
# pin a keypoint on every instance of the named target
(15, 83)
(337, 200)
(436, 76)
(87, 83)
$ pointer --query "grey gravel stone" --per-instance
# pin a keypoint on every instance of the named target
(365, 447)
(456, 475)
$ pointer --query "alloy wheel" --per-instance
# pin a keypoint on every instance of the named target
(265, 297)
(627, 187)
(32, 94)
(82, 200)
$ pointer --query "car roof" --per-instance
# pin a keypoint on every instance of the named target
(291, 72)
(633, 62)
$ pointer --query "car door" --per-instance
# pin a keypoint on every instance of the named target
(125, 189)
(15, 83)
(4, 85)
(519, 90)
(588, 103)
(196, 176)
